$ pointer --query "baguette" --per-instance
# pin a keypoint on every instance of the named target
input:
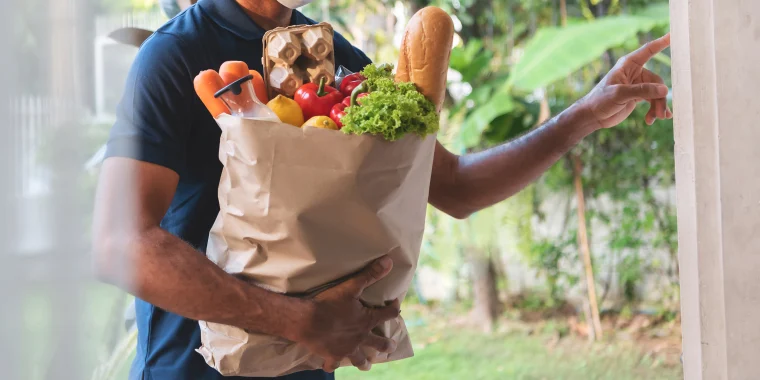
(425, 53)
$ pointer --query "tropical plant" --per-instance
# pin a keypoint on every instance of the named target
(498, 94)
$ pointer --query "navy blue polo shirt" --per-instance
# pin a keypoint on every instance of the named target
(161, 120)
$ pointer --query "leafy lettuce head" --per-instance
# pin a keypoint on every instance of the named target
(391, 109)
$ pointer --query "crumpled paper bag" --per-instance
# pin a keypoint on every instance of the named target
(301, 209)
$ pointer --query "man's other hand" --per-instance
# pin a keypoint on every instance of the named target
(338, 324)
(615, 97)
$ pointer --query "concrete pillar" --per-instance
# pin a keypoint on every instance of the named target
(716, 50)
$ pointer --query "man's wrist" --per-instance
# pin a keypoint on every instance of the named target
(297, 314)
(276, 314)
(579, 120)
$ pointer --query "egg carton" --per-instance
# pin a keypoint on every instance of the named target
(296, 55)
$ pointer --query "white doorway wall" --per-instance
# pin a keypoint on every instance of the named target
(716, 50)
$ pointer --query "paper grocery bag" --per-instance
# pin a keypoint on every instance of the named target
(303, 208)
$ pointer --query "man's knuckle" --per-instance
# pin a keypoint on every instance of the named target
(384, 345)
(375, 271)
(369, 321)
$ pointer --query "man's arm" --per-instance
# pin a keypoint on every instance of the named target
(461, 185)
(133, 252)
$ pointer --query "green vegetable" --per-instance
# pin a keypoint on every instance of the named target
(391, 109)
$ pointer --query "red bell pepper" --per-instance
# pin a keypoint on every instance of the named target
(350, 82)
(339, 110)
(317, 100)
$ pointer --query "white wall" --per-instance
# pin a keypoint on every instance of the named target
(716, 49)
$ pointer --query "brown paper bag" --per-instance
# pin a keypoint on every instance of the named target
(302, 208)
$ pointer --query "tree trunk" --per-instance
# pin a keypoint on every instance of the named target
(563, 12)
(502, 282)
(583, 245)
(486, 305)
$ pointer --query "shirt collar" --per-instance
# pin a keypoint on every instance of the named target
(231, 16)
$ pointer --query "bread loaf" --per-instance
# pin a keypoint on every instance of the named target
(425, 53)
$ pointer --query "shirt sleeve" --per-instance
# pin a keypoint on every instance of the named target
(152, 122)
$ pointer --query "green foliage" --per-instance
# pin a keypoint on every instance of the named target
(555, 52)
(483, 105)
(667, 314)
(658, 11)
(552, 327)
(442, 242)
(546, 255)
(625, 165)
(471, 60)
(478, 121)
(630, 273)
(551, 54)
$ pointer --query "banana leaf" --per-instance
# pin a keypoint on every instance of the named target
(481, 117)
(554, 53)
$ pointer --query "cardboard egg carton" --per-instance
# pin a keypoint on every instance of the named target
(296, 55)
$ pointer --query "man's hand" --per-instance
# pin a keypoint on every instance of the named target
(339, 324)
(615, 97)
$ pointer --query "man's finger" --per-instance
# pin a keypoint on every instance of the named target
(359, 360)
(650, 116)
(624, 93)
(385, 313)
(650, 77)
(658, 106)
(662, 108)
(330, 365)
(393, 310)
(649, 50)
(368, 276)
(380, 343)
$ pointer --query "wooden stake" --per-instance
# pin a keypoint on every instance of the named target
(584, 247)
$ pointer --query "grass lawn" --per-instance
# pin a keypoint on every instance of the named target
(460, 354)
(442, 352)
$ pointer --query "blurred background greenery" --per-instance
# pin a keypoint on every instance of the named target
(503, 294)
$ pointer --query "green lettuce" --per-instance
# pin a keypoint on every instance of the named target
(391, 109)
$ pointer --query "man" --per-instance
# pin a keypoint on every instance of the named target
(157, 196)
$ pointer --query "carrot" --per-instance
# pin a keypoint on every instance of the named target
(259, 87)
(232, 71)
(206, 84)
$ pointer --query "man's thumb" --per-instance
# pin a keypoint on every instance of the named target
(624, 93)
(373, 273)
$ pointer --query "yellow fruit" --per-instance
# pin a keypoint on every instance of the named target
(287, 110)
(321, 122)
